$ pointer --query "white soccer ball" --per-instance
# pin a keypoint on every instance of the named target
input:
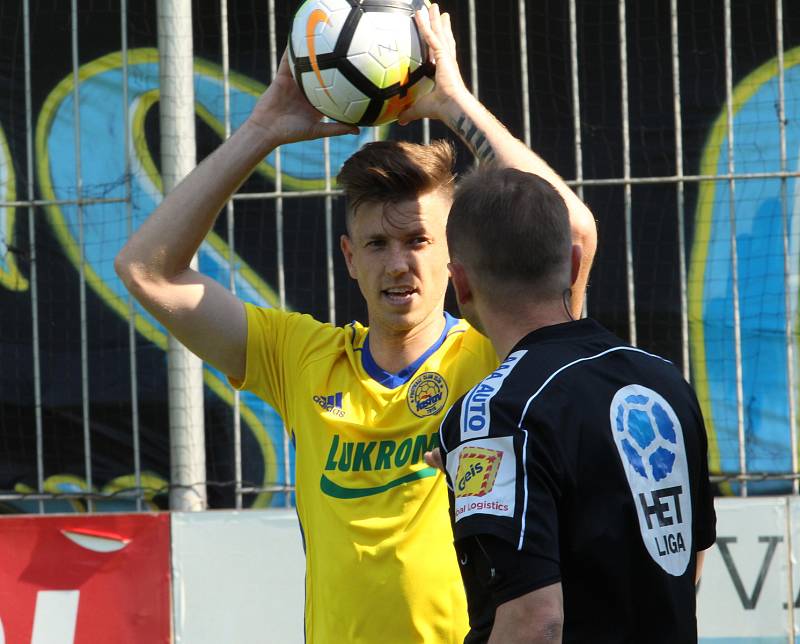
(360, 61)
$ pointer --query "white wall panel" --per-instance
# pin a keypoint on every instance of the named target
(237, 577)
(744, 588)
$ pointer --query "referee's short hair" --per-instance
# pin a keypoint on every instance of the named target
(512, 229)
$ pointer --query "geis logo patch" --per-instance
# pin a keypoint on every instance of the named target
(477, 471)
(483, 473)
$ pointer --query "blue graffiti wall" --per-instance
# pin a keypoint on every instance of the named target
(764, 212)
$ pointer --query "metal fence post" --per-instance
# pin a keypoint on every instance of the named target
(178, 157)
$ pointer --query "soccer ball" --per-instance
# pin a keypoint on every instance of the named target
(360, 61)
(647, 435)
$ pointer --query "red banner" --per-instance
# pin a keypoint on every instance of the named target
(84, 580)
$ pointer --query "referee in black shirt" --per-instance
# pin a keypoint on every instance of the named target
(578, 469)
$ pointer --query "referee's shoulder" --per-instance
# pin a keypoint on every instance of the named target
(551, 362)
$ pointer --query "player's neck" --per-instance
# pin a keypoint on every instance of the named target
(393, 350)
(506, 327)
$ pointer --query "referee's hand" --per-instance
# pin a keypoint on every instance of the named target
(434, 459)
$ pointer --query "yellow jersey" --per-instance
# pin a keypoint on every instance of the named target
(380, 564)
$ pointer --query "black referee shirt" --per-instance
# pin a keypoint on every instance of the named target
(586, 460)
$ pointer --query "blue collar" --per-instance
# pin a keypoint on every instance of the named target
(394, 380)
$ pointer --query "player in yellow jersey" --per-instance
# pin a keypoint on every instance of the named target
(362, 404)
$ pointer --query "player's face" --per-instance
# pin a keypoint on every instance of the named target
(398, 254)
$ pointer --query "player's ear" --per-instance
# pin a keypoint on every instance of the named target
(346, 244)
(461, 285)
(577, 253)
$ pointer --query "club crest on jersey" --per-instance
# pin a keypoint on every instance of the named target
(427, 394)
(649, 440)
(477, 471)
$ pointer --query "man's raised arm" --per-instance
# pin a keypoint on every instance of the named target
(452, 103)
(154, 264)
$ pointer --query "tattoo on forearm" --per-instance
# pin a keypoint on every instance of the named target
(474, 138)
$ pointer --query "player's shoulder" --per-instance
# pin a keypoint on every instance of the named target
(474, 350)
(297, 333)
(264, 316)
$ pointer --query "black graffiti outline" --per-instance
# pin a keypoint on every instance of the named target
(749, 602)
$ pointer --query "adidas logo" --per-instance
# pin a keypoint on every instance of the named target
(332, 404)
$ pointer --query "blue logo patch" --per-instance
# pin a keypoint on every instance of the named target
(646, 435)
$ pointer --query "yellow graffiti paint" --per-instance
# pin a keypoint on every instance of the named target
(144, 160)
(57, 484)
(10, 276)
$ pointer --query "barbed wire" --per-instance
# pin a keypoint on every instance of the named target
(247, 488)
(724, 477)
(143, 492)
